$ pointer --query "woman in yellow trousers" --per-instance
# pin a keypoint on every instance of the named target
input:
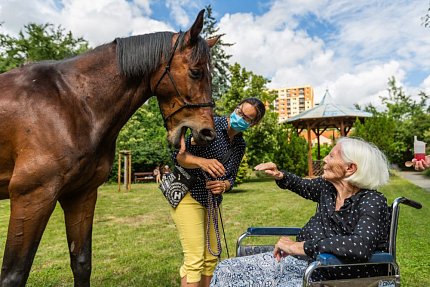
(216, 167)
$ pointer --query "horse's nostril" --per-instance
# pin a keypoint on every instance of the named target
(208, 134)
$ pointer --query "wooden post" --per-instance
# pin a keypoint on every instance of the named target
(342, 129)
(127, 170)
(310, 167)
(119, 171)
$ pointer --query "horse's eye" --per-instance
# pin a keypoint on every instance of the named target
(195, 74)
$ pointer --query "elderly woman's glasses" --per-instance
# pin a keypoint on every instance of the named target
(247, 119)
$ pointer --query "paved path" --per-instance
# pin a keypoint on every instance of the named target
(416, 178)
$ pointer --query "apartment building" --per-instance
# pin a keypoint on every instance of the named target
(292, 101)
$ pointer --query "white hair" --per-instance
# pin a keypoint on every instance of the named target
(372, 164)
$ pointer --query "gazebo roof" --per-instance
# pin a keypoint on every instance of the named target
(327, 114)
(328, 109)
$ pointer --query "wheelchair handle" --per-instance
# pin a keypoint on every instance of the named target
(409, 202)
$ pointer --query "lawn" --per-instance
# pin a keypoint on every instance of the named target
(135, 242)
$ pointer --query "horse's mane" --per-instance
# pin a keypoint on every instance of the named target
(141, 55)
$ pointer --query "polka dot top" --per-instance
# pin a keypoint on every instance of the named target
(353, 232)
(217, 149)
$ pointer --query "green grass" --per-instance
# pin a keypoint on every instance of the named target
(135, 242)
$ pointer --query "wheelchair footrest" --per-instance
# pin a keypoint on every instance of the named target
(391, 281)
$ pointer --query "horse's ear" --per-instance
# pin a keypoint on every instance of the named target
(192, 34)
(212, 41)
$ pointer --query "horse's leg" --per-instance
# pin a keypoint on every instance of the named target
(79, 213)
(29, 215)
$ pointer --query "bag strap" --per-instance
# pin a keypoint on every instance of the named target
(226, 156)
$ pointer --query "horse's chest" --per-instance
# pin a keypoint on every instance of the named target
(90, 171)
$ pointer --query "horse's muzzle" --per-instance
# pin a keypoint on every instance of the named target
(204, 136)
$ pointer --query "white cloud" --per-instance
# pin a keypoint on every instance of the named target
(368, 41)
(178, 10)
(263, 50)
(16, 14)
(371, 41)
(146, 25)
(144, 5)
(382, 29)
(98, 21)
(426, 85)
(364, 86)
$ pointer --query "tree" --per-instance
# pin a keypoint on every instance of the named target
(243, 84)
(410, 118)
(379, 130)
(244, 171)
(262, 140)
(268, 141)
(219, 56)
(291, 151)
(146, 138)
(426, 18)
(38, 42)
(393, 129)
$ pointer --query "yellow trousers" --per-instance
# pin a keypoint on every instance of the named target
(190, 219)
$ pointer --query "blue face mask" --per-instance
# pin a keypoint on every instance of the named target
(238, 123)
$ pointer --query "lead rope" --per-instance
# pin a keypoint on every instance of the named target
(213, 209)
(213, 214)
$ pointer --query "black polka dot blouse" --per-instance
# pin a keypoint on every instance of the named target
(218, 149)
(353, 233)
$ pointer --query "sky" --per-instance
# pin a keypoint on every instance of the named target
(349, 47)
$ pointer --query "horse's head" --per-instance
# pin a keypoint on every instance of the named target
(182, 85)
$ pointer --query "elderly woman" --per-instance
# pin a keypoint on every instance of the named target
(351, 221)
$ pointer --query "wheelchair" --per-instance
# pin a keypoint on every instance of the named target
(385, 260)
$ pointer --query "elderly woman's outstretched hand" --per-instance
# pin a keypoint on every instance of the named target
(270, 169)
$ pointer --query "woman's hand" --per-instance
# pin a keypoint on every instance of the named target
(270, 169)
(212, 166)
(286, 246)
(216, 186)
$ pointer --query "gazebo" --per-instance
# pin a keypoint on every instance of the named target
(323, 116)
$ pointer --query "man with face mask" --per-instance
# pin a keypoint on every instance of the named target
(216, 167)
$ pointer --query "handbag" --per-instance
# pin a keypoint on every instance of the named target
(176, 184)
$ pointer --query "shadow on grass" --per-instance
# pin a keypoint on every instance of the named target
(239, 188)
(260, 179)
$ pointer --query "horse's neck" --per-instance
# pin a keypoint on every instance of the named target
(110, 98)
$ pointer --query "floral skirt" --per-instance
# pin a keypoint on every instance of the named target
(259, 270)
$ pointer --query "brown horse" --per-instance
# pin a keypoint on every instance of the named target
(59, 122)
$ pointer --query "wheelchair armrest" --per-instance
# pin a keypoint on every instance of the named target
(263, 231)
(326, 259)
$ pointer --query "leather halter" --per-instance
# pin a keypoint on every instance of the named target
(184, 103)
